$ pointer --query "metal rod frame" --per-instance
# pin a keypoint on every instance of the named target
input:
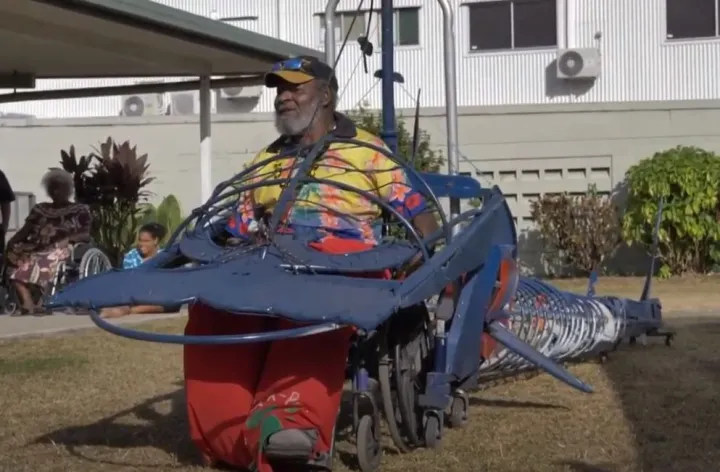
(388, 84)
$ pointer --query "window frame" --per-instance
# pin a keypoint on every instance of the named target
(693, 40)
(512, 49)
(396, 28)
(376, 27)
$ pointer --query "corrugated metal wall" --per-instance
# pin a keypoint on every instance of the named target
(638, 63)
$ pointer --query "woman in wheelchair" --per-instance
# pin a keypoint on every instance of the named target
(35, 252)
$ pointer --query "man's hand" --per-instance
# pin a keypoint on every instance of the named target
(426, 224)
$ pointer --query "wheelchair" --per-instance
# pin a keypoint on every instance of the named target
(416, 350)
(85, 260)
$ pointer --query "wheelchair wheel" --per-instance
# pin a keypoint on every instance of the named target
(93, 262)
(369, 450)
(433, 438)
(458, 417)
(8, 300)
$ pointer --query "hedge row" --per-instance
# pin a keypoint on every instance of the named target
(583, 232)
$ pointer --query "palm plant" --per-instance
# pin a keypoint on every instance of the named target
(112, 182)
(168, 214)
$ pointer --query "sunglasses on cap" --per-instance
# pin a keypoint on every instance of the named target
(295, 63)
(300, 69)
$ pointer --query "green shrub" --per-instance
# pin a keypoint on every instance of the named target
(686, 178)
(112, 181)
(427, 159)
(168, 213)
(579, 232)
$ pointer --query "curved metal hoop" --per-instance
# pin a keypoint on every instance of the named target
(222, 200)
(210, 340)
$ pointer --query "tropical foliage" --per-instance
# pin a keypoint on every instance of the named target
(112, 181)
(686, 179)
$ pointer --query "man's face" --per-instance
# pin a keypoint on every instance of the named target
(295, 107)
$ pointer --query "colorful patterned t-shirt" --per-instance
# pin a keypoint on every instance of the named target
(327, 209)
(133, 259)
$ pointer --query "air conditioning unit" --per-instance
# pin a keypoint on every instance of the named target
(143, 105)
(231, 93)
(238, 100)
(580, 63)
(184, 103)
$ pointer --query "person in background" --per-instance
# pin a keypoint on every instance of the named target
(149, 238)
(147, 247)
(34, 253)
(7, 196)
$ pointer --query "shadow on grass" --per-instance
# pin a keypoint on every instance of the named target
(167, 432)
(579, 466)
(500, 403)
(671, 397)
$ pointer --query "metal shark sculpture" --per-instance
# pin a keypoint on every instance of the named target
(488, 321)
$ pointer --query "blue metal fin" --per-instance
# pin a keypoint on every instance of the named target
(653, 252)
(591, 283)
(504, 336)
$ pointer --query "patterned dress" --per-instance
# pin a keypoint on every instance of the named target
(134, 259)
(48, 229)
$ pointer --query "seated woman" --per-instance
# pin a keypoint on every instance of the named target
(35, 252)
(148, 246)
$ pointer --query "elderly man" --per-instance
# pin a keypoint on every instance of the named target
(261, 406)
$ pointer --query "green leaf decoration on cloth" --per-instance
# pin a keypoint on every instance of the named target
(270, 425)
(258, 416)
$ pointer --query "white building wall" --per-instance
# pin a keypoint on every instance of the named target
(638, 63)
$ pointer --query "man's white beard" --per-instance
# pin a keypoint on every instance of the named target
(296, 125)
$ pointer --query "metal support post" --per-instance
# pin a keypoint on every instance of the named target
(451, 98)
(206, 186)
(330, 9)
(389, 133)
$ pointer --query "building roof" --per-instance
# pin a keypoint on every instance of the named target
(127, 38)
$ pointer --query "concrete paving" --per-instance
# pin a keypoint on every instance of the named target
(26, 326)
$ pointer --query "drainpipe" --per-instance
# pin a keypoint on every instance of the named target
(451, 112)
(330, 10)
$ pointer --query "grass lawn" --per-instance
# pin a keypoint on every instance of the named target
(90, 401)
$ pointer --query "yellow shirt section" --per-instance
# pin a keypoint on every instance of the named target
(325, 205)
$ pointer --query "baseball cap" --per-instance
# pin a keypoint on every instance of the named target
(299, 70)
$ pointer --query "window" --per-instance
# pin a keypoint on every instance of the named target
(406, 31)
(344, 26)
(513, 24)
(692, 19)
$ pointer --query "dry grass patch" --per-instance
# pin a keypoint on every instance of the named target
(95, 402)
(676, 294)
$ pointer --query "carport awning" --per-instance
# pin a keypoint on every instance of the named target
(127, 38)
